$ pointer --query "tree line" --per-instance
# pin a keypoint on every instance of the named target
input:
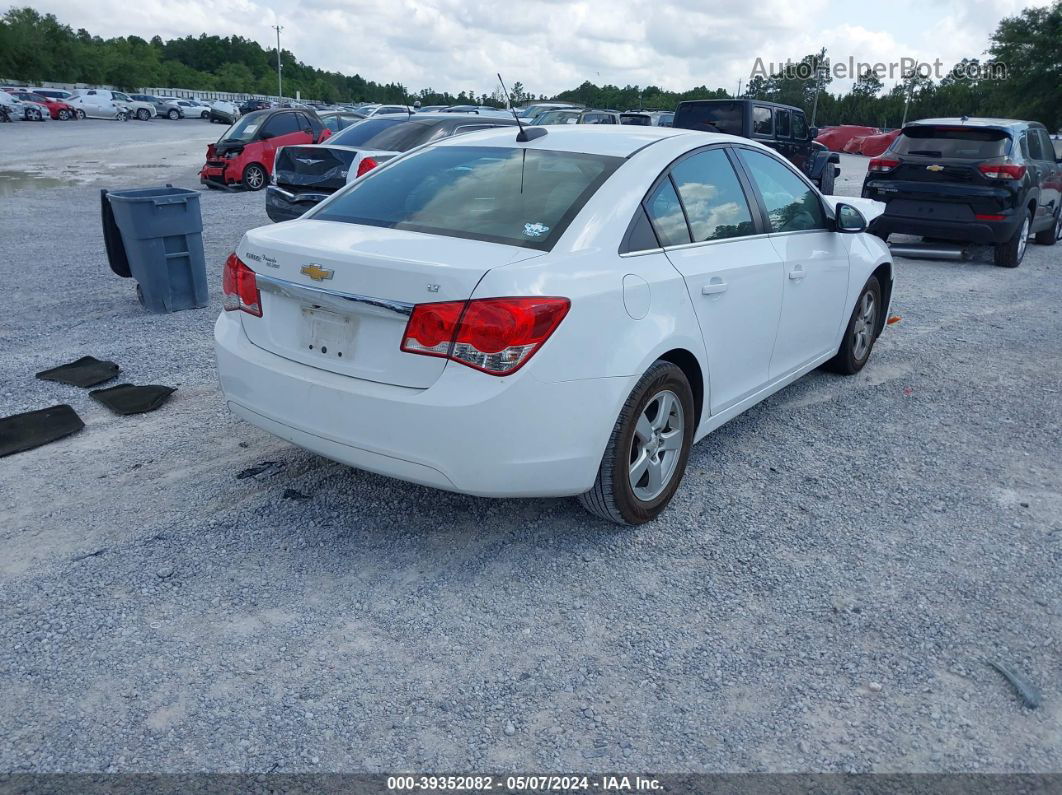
(37, 47)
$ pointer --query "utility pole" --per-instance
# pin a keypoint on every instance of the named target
(738, 94)
(818, 79)
(280, 85)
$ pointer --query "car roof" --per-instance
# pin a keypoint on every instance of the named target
(591, 139)
(970, 122)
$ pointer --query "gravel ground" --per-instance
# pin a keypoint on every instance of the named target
(837, 567)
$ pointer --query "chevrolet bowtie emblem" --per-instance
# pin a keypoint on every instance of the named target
(934, 167)
(316, 272)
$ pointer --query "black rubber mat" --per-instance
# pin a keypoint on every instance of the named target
(129, 399)
(21, 432)
(86, 371)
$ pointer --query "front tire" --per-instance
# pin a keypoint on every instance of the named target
(647, 452)
(143, 114)
(826, 183)
(34, 115)
(1011, 253)
(254, 177)
(861, 332)
(1050, 236)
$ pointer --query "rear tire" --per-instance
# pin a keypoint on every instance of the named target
(254, 177)
(861, 332)
(205, 115)
(63, 115)
(1011, 253)
(174, 114)
(34, 115)
(80, 114)
(647, 452)
(1051, 235)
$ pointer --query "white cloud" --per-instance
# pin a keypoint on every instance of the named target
(551, 45)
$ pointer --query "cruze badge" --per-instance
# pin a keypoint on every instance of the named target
(316, 272)
(934, 167)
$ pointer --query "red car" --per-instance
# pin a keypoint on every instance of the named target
(244, 154)
(57, 109)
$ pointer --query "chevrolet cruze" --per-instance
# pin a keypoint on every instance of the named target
(550, 312)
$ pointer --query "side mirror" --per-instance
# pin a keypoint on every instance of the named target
(265, 135)
(849, 219)
(813, 133)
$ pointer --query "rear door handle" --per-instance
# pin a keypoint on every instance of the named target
(797, 273)
(714, 287)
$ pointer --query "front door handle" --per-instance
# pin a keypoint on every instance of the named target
(714, 287)
(797, 273)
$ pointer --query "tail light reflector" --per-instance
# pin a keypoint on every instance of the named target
(988, 217)
(494, 335)
(240, 287)
(1002, 170)
(881, 164)
(367, 164)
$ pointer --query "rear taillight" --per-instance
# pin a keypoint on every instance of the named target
(1002, 170)
(366, 164)
(880, 164)
(240, 288)
(495, 335)
(989, 217)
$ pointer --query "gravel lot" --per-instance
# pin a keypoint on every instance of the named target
(823, 594)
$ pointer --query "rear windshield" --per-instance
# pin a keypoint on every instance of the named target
(966, 143)
(724, 117)
(404, 136)
(358, 134)
(636, 119)
(520, 197)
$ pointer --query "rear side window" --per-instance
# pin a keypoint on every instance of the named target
(762, 122)
(964, 143)
(712, 196)
(724, 117)
(783, 124)
(1046, 145)
(1036, 149)
(406, 135)
(520, 197)
(792, 206)
(665, 211)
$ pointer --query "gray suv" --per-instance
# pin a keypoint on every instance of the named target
(169, 108)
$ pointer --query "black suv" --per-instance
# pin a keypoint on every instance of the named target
(781, 127)
(251, 105)
(987, 181)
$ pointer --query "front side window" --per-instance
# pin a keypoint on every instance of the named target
(791, 204)
(282, 124)
(519, 197)
(712, 196)
(665, 212)
(762, 123)
(800, 127)
(1035, 150)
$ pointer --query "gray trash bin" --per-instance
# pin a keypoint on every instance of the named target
(162, 233)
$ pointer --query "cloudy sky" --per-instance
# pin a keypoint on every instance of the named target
(551, 45)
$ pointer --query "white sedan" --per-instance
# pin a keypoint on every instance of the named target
(563, 312)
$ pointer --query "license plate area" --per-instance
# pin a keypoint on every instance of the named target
(327, 334)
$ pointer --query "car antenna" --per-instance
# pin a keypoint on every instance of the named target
(526, 133)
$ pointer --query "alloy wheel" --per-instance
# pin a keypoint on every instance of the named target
(255, 177)
(863, 330)
(656, 446)
(1023, 240)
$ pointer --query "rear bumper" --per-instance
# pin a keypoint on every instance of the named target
(469, 432)
(979, 232)
(285, 205)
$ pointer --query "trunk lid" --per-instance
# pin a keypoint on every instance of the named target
(350, 318)
(321, 167)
